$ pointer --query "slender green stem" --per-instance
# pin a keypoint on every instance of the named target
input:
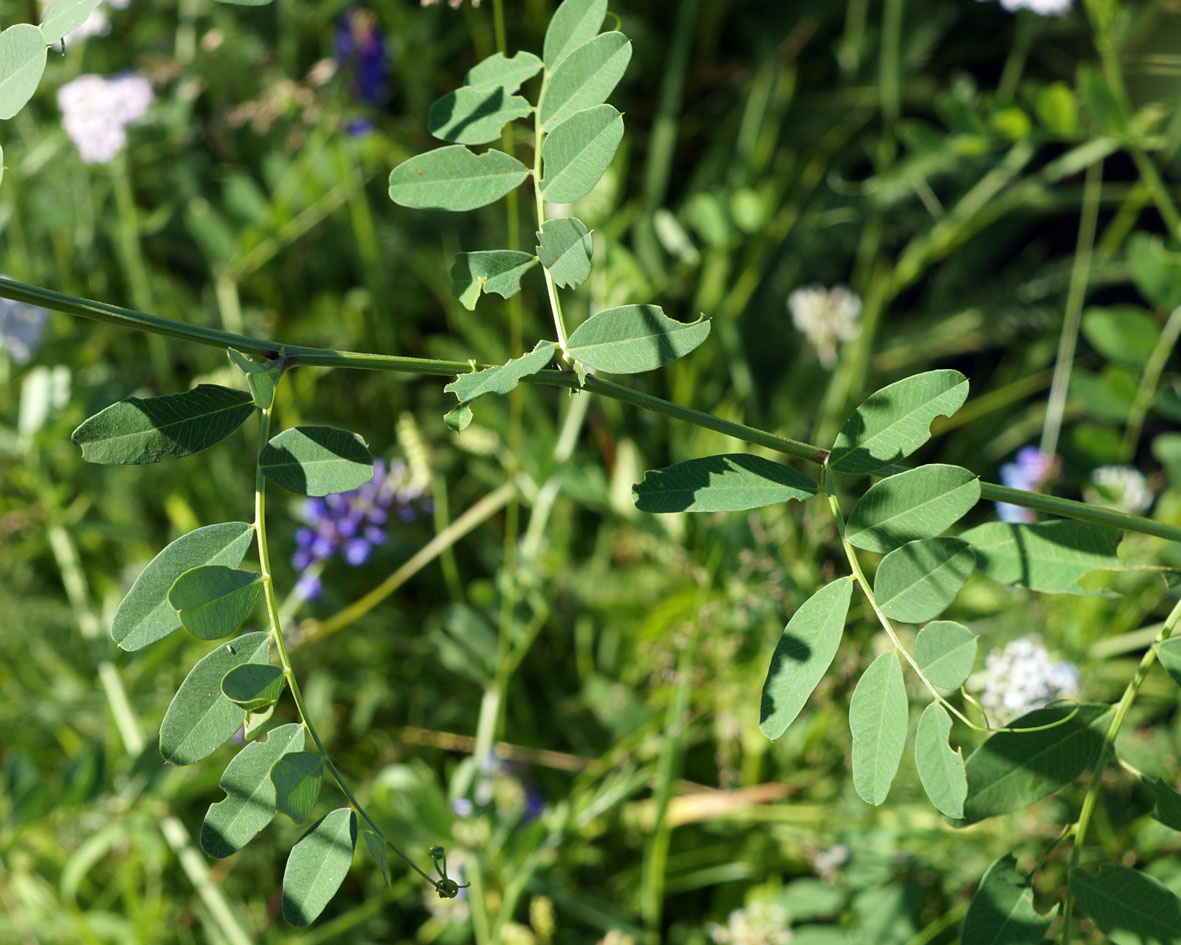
(1148, 381)
(538, 138)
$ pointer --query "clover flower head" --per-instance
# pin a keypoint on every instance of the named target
(1123, 488)
(1031, 470)
(21, 329)
(759, 923)
(825, 317)
(361, 54)
(96, 111)
(1040, 7)
(1021, 677)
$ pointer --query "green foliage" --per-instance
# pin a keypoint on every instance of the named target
(1002, 912)
(316, 460)
(940, 767)
(729, 483)
(501, 380)
(578, 152)
(918, 581)
(61, 16)
(564, 247)
(1168, 805)
(1126, 335)
(475, 116)
(584, 78)
(297, 777)
(213, 600)
(261, 378)
(1169, 654)
(497, 270)
(1130, 907)
(505, 72)
(23, 50)
(253, 686)
(574, 22)
(317, 866)
(919, 503)
(454, 178)
(1048, 556)
(946, 652)
(631, 339)
(877, 719)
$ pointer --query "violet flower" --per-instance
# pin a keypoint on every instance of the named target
(1032, 470)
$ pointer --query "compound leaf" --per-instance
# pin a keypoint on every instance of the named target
(940, 767)
(945, 651)
(145, 616)
(728, 483)
(317, 460)
(63, 16)
(574, 22)
(506, 72)
(634, 338)
(145, 429)
(497, 270)
(200, 719)
(297, 778)
(249, 804)
(918, 503)
(803, 654)
(1130, 907)
(502, 379)
(564, 247)
(317, 866)
(1001, 912)
(578, 152)
(877, 719)
(253, 686)
(23, 51)
(454, 178)
(1046, 556)
(213, 600)
(917, 581)
(896, 420)
(475, 116)
(584, 78)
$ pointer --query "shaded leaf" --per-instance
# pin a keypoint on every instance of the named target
(940, 767)
(896, 420)
(877, 719)
(252, 727)
(946, 652)
(65, 15)
(1001, 912)
(200, 719)
(261, 377)
(317, 866)
(297, 778)
(574, 22)
(919, 580)
(578, 152)
(253, 686)
(1169, 654)
(376, 847)
(1131, 907)
(23, 51)
(1046, 556)
(1168, 804)
(564, 246)
(458, 418)
(249, 804)
(1011, 770)
(803, 654)
(502, 379)
(475, 116)
(497, 270)
(507, 72)
(145, 616)
(1126, 334)
(634, 338)
(918, 503)
(316, 460)
(584, 78)
(731, 482)
(454, 178)
(146, 429)
(1155, 269)
(214, 600)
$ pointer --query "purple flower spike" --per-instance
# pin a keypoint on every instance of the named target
(309, 587)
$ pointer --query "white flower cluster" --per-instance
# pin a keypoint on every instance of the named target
(1123, 488)
(96, 112)
(96, 24)
(1041, 7)
(1021, 678)
(21, 328)
(825, 317)
(760, 923)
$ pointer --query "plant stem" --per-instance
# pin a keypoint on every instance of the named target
(1148, 381)
(538, 137)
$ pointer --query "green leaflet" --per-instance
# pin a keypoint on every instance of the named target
(1168, 804)
(317, 866)
(940, 767)
(249, 804)
(1001, 912)
(261, 377)
(497, 270)
(1047, 556)
(316, 460)
(458, 418)
(454, 178)
(23, 51)
(731, 482)
(297, 778)
(1011, 770)
(1132, 908)
(578, 152)
(252, 727)
(200, 719)
(584, 78)
(918, 503)
(214, 600)
(564, 247)
(253, 686)
(1169, 654)
(475, 116)
(1126, 334)
(63, 16)
(896, 420)
(574, 22)
(501, 380)
(1154, 270)
(376, 847)
(803, 654)
(145, 616)
(145, 429)
(634, 338)
(946, 652)
(877, 719)
(919, 580)
(506, 72)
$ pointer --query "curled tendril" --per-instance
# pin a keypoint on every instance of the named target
(445, 886)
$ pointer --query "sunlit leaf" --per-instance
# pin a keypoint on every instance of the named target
(297, 777)
(584, 78)
(261, 377)
(1168, 804)
(634, 338)
(376, 847)
(578, 152)
(877, 719)
(945, 651)
(1001, 912)
(940, 767)
(574, 22)
(146, 429)
(564, 246)
(454, 178)
(475, 116)
(502, 379)
(249, 804)
(919, 503)
(23, 51)
(1011, 770)
(803, 654)
(316, 460)
(200, 719)
(458, 418)
(1169, 654)
(728, 483)
(65, 15)
(497, 270)
(919, 580)
(317, 866)
(896, 420)
(506, 72)
(1130, 907)
(214, 600)
(145, 615)
(253, 686)
(1046, 556)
